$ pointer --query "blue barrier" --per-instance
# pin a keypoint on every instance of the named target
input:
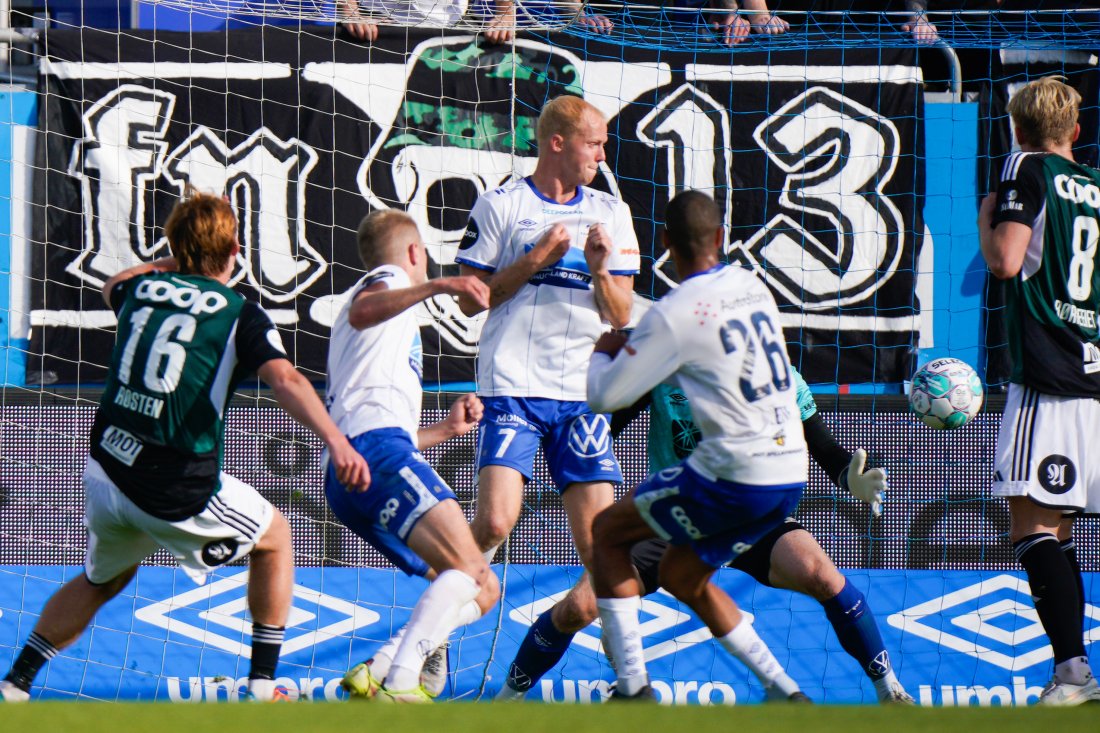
(956, 638)
(18, 110)
(951, 213)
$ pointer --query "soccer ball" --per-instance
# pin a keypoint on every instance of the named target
(946, 394)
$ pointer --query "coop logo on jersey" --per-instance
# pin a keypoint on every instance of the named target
(666, 626)
(993, 620)
(127, 158)
(589, 436)
(216, 615)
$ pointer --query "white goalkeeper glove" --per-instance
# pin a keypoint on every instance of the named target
(867, 485)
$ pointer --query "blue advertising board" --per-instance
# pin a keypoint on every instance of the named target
(956, 637)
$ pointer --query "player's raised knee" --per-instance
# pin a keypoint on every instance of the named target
(490, 531)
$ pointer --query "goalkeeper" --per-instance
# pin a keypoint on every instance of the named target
(788, 557)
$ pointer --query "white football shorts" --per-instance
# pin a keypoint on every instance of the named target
(120, 535)
(1047, 450)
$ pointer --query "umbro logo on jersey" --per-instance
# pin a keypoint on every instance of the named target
(527, 224)
(589, 436)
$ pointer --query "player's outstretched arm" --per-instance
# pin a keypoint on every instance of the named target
(296, 395)
(465, 414)
(164, 264)
(844, 468)
(378, 303)
(614, 293)
(506, 282)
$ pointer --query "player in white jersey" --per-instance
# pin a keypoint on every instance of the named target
(410, 514)
(560, 259)
(717, 337)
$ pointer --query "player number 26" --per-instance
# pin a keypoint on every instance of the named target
(745, 340)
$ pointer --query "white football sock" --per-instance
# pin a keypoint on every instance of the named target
(622, 633)
(884, 685)
(436, 615)
(261, 690)
(383, 658)
(468, 614)
(1075, 671)
(750, 649)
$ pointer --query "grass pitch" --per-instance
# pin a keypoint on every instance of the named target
(531, 718)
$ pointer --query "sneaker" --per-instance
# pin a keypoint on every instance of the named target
(360, 683)
(417, 695)
(1065, 693)
(10, 692)
(433, 676)
(646, 694)
(774, 694)
(897, 696)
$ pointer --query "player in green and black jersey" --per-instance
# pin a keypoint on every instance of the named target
(154, 475)
(1040, 231)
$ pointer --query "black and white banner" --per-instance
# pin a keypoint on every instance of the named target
(816, 160)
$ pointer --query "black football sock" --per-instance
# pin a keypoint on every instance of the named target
(1054, 590)
(266, 643)
(31, 658)
(1069, 549)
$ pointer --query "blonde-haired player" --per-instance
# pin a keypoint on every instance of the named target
(559, 258)
(1041, 232)
(410, 515)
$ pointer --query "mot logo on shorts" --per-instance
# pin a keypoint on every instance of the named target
(1057, 474)
(589, 436)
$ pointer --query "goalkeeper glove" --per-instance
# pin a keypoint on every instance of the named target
(867, 485)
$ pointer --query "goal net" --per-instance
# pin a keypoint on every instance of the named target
(847, 159)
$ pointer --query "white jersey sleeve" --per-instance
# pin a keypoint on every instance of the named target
(485, 237)
(646, 360)
(627, 257)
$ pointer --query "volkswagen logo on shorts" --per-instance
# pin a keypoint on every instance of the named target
(589, 436)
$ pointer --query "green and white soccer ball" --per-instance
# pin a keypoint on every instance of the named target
(946, 394)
